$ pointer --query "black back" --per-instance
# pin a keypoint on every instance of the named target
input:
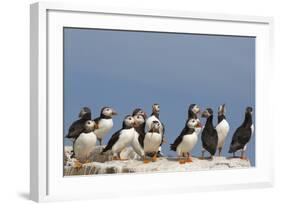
(242, 135)
(114, 138)
(221, 118)
(76, 129)
(209, 136)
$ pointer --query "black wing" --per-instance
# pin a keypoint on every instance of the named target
(178, 139)
(176, 143)
(97, 120)
(75, 129)
(240, 138)
(209, 139)
(114, 138)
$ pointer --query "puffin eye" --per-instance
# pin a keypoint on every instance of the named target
(107, 109)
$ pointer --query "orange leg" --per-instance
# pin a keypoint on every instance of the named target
(243, 157)
(145, 161)
(182, 160)
(78, 165)
(188, 159)
(154, 158)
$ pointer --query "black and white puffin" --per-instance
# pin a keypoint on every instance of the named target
(243, 134)
(137, 143)
(104, 122)
(152, 141)
(155, 117)
(85, 143)
(78, 126)
(222, 127)
(122, 138)
(186, 141)
(209, 135)
(193, 112)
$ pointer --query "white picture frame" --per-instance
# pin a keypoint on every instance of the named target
(46, 173)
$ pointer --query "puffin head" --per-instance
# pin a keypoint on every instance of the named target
(249, 110)
(194, 108)
(108, 112)
(221, 110)
(207, 113)
(155, 108)
(128, 122)
(85, 113)
(139, 120)
(90, 125)
(155, 127)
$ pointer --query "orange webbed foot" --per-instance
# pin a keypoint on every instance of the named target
(188, 160)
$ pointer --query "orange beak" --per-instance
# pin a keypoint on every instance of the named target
(114, 112)
(198, 124)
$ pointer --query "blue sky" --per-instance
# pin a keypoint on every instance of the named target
(126, 69)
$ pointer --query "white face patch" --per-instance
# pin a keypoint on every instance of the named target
(129, 121)
(139, 119)
(195, 109)
(107, 111)
(192, 123)
(156, 108)
(89, 125)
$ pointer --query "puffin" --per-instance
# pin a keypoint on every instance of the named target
(152, 141)
(242, 134)
(78, 126)
(104, 122)
(222, 127)
(209, 135)
(186, 141)
(193, 111)
(137, 143)
(85, 143)
(122, 138)
(155, 117)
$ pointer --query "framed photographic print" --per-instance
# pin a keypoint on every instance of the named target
(145, 100)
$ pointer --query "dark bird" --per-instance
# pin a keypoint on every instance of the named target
(77, 126)
(209, 135)
(243, 134)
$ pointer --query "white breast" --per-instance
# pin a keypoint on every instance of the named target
(252, 128)
(136, 145)
(84, 145)
(222, 130)
(152, 142)
(125, 139)
(187, 144)
(105, 125)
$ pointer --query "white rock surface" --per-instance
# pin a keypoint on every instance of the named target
(104, 165)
